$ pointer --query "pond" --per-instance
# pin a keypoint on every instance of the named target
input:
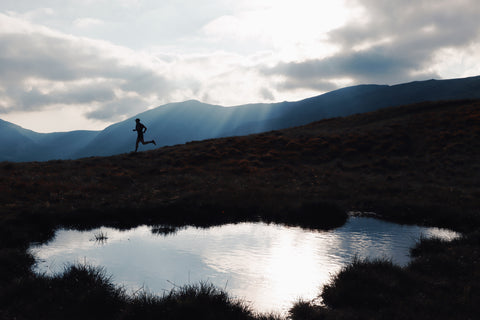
(269, 266)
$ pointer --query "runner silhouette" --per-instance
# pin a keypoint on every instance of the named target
(140, 128)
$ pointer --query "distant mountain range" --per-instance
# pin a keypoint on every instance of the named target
(177, 123)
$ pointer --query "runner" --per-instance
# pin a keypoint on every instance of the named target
(140, 128)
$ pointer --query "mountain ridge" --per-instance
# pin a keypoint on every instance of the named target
(181, 122)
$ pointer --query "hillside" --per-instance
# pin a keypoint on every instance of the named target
(395, 161)
(178, 123)
(413, 164)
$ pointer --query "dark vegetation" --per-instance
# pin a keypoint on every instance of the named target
(412, 164)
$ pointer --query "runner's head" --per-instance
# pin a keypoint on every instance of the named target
(137, 120)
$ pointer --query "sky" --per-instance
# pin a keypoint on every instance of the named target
(85, 64)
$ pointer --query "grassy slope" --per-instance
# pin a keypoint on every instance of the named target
(417, 164)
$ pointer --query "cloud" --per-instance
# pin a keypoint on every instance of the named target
(85, 92)
(45, 69)
(372, 65)
(124, 106)
(267, 94)
(390, 42)
(41, 68)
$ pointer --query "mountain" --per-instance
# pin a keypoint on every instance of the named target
(19, 144)
(15, 142)
(177, 123)
(366, 98)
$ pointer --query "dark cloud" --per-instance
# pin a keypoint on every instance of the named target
(85, 94)
(431, 24)
(113, 111)
(292, 83)
(396, 42)
(378, 63)
(47, 57)
(144, 81)
(266, 94)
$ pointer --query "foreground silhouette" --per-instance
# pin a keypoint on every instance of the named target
(140, 128)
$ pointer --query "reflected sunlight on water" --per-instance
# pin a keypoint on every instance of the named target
(270, 266)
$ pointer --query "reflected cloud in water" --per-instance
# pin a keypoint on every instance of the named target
(270, 266)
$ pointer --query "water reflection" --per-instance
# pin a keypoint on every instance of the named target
(271, 266)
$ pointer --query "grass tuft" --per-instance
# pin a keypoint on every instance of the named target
(164, 230)
(367, 284)
(200, 301)
(100, 237)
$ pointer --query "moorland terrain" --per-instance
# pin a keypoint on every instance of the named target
(415, 164)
